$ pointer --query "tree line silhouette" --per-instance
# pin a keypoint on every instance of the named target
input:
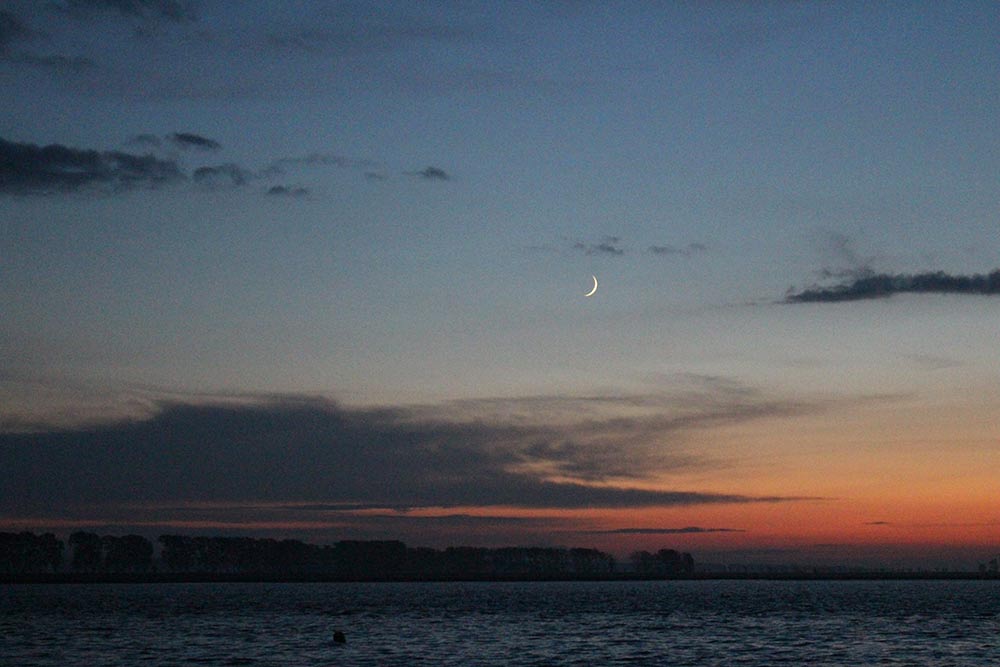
(665, 563)
(90, 553)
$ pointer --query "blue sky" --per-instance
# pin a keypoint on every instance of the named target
(402, 204)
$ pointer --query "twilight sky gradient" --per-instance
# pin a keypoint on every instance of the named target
(317, 270)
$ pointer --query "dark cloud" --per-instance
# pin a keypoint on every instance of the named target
(431, 174)
(222, 175)
(175, 11)
(609, 245)
(286, 191)
(878, 523)
(687, 530)
(882, 285)
(316, 452)
(189, 140)
(689, 250)
(28, 168)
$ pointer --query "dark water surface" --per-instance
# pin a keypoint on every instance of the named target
(927, 623)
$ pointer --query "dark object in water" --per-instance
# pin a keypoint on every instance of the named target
(339, 638)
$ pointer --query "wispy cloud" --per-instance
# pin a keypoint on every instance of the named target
(191, 140)
(614, 246)
(935, 526)
(431, 174)
(933, 362)
(182, 140)
(608, 246)
(687, 530)
(881, 285)
(286, 191)
(842, 259)
(689, 250)
(321, 159)
(222, 175)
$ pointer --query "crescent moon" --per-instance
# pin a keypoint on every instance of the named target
(591, 292)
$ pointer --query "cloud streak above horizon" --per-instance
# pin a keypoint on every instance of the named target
(315, 451)
(687, 530)
(881, 285)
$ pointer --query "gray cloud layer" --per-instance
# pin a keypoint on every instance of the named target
(882, 285)
(318, 452)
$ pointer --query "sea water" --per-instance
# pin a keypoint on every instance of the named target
(927, 623)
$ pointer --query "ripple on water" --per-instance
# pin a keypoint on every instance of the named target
(621, 623)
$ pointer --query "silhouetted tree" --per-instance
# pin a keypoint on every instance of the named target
(26, 552)
(210, 553)
(356, 559)
(671, 561)
(590, 561)
(665, 563)
(370, 559)
(687, 563)
(130, 553)
(465, 561)
(86, 551)
(178, 552)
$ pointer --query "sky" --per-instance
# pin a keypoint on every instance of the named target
(318, 270)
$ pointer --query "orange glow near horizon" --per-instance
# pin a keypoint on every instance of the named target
(866, 478)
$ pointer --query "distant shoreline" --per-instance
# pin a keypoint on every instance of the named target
(212, 577)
